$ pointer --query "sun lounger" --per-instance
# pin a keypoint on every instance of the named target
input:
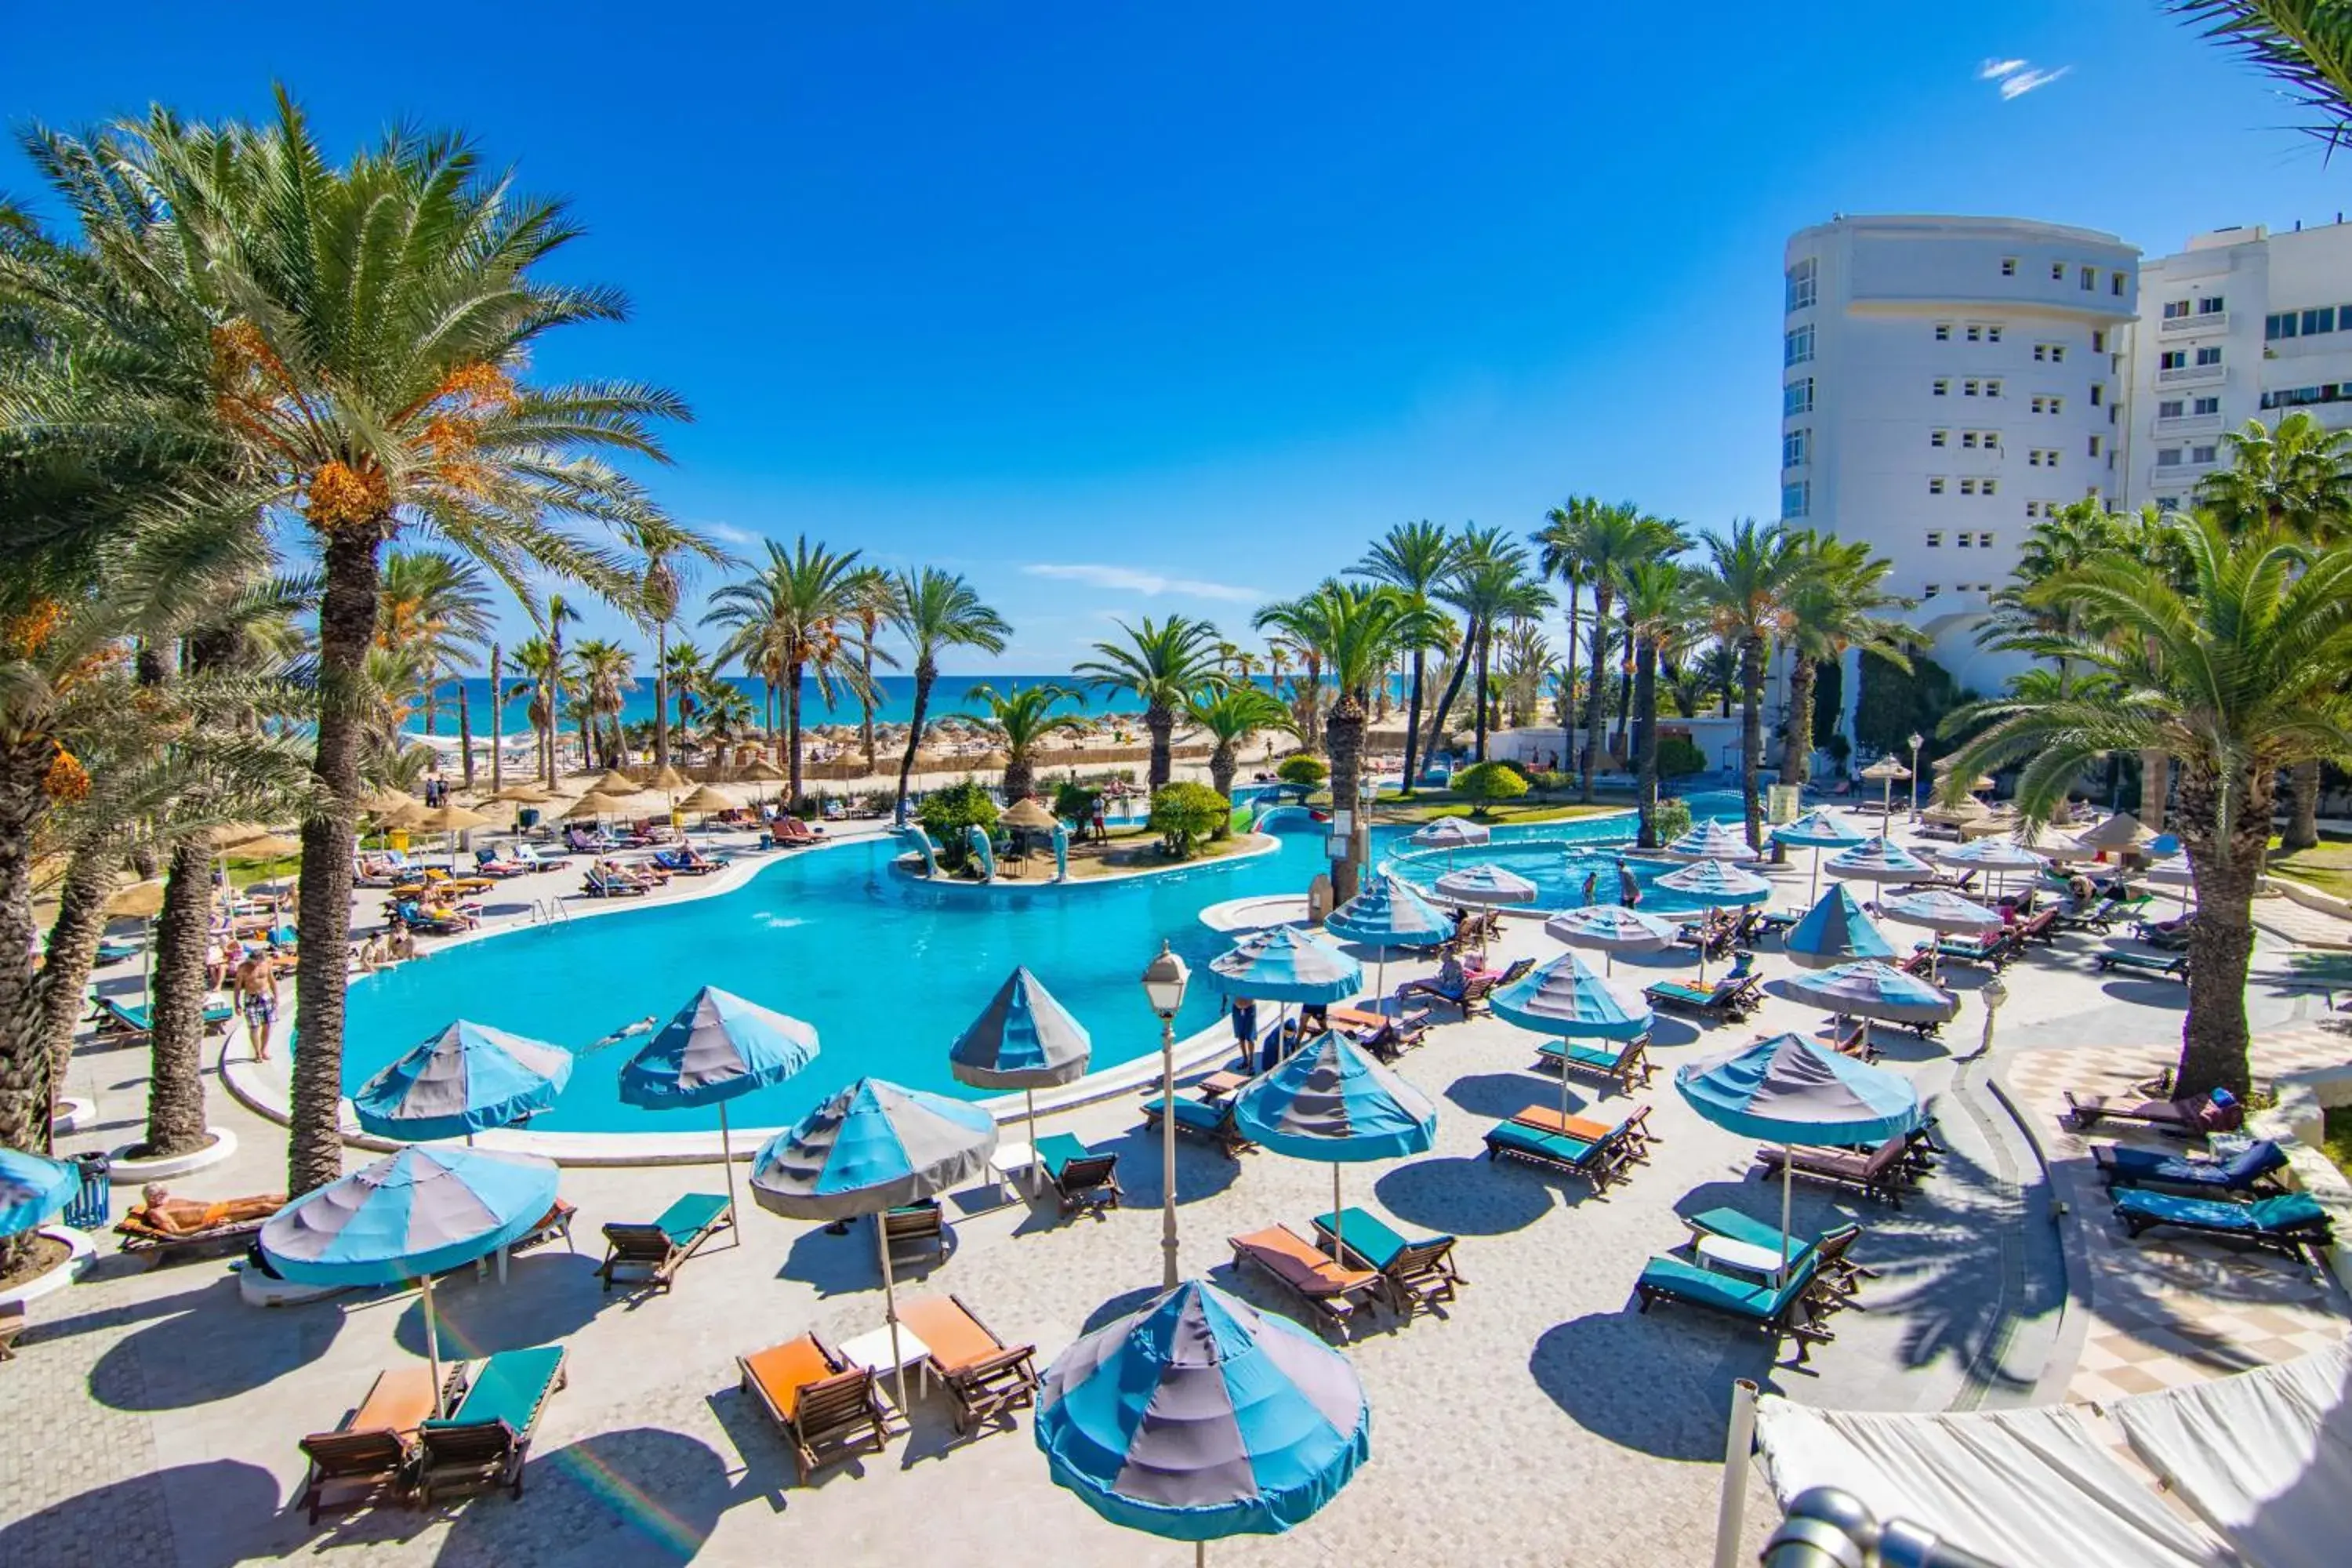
(2173, 968)
(484, 1442)
(1469, 997)
(1201, 1119)
(1330, 1291)
(131, 1020)
(600, 883)
(161, 1245)
(2172, 934)
(2190, 1118)
(1081, 1180)
(919, 1224)
(987, 1378)
(368, 1457)
(1627, 1061)
(827, 1409)
(1779, 1309)
(118, 952)
(1830, 1250)
(2042, 927)
(652, 1253)
(489, 865)
(1412, 1271)
(1391, 1038)
(2294, 1222)
(685, 861)
(1992, 949)
(1883, 1172)
(2251, 1173)
(1598, 1162)
(1732, 997)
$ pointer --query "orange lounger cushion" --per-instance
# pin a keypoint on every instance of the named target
(784, 1370)
(1295, 1259)
(1547, 1119)
(401, 1400)
(956, 1338)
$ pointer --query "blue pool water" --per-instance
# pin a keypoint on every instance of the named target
(889, 972)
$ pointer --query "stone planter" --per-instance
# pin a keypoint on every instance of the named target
(2298, 1124)
(78, 1256)
(72, 1116)
(129, 1172)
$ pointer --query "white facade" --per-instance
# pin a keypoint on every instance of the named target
(1945, 380)
(2245, 325)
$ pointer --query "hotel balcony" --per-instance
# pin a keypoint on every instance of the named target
(2188, 425)
(2191, 375)
(2213, 321)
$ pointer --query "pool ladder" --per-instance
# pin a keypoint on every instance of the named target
(547, 912)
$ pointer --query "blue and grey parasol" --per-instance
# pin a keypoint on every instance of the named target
(1283, 964)
(1389, 913)
(1022, 1039)
(467, 1078)
(1713, 841)
(1879, 859)
(32, 1188)
(717, 1048)
(1823, 828)
(1836, 931)
(1872, 989)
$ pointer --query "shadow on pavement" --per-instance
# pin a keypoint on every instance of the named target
(212, 1347)
(133, 1520)
(1465, 1196)
(544, 1301)
(838, 1265)
(1500, 1095)
(1202, 1171)
(1659, 1382)
(639, 1495)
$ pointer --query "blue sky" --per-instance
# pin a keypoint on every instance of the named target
(1127, 309)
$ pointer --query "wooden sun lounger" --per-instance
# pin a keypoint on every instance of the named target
(1598, 1161)
(1081, 1181)
(2252, 1174)
(485, 1443)
(2294, 1223)
(1842, 1275)
(2191, 1118)
(1329, 1291)
(1883, 1173)
(1200, 1118)
(987, 1378)
(368, 1458)
(160, 1247)
(2173, 968)
(1412, 1272)
(1627, 1061)
(1781, 1310)
(1732, 998)
(652, 1253)
(827, 1409)
(920, 1223)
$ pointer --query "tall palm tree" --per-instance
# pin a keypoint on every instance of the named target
(788, 618)
(1229, 718)
(1162, 665)
(686, 677)
(1307, 691)
(554, 615)
(1527, 658)
(1414, 558)
(666, 555)
(1659, 614)
(870, 607)
(1835, 605)
(535, 660)
(1607, 540)
(936, 611)
(1358, 630)
(1490, 586)
(495, 670)
(2237, 676)
(607, 672)
(1559, 554)
(1017, 721)
(1750, 571)
(435, 607)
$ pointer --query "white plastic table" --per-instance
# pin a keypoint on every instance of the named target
(1742, 1256)
(872, 1349)
(1011, 1157)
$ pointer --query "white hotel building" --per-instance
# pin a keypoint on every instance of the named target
(1945, 381)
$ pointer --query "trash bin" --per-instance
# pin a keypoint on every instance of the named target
(527, 817)
(93, 1206)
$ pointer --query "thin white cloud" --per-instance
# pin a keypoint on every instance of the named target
(727, 532)
(2025, 82)
(1151, 585)
(1993, 70)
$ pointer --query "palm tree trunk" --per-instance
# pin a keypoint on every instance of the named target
(1345, 735)
(2154, 787)
(464, 733)
(866, 693)
(1751, 736)
(1460, 667)
(346, 626)
(72, 953)
(1411, 733)
(1160, 720)
(792, 728)
(2303, 823)
(24, 1057)
(497, 721)
(175, 1090)
(1593, 689)
(1645, 736)
(926, 671)
(1020, 774)
(1223, 763)
(1486, 644)
(1618, 744)
(2214, 1037)
(1797, 753)
(661, 694)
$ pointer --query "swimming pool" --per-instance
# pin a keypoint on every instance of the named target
(889, 972)
(1559, 857)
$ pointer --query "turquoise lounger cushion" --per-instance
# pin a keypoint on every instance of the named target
(1548, 1145)
(1688, 992)
(1725, 1292)
(1733, 1226)
(690, 1216)
(1587, 1055)
(2149, 1166)
(2287, 1213)
(1370, 1238)
(1190, 1113)
(1058, 1149)
(507, 1387)
(2291, 1211)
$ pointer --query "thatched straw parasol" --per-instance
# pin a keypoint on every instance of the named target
(596, 804)
(1027, 813)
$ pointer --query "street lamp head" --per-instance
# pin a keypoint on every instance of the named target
(1918, 740)
(1164, 981)
(1994, 993)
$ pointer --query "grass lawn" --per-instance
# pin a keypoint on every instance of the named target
(1427, 805)
(2327, 865)
(2339, 1137)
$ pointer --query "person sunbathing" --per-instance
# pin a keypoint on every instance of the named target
(186, 1216)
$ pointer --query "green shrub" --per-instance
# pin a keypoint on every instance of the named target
(946, 813)
(1185, 813)
(1074, 804)
(1543, 781)
(1673, 819)
(1485, 783)
(1679, 757)
(1308, 772)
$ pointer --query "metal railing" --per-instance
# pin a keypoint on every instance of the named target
(2193, 372)
(2211, 322)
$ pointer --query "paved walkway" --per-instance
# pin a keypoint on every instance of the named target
(1541, 1419)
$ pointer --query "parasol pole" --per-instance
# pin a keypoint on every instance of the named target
(1788, 1165)
(1338, 1215)
(890, 1302)
(726, 1160)
(1036, 1172)
(1815, 896)
(432, 1341)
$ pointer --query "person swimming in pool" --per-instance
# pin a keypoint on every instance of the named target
(643, 1026)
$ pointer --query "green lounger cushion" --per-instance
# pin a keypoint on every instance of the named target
(1686, 992)
(1723, 1292)
(507, 1387)
(1733, 1226)
(1607, 1057)
(690, 1216)
(1544, 1145)
(1190, 1113)
(1057, 1150)
(1370, 1238)
(2291, 1212)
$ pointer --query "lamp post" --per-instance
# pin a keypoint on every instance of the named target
(1164, 985)
(1918, 740)
(1994, 994)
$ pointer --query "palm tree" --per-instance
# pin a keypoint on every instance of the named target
(1560, 553)
(667, 554)
(1358, 630)
(787, 619)
(1414, 558)
(1658, 616)
(536, 662)
(1017, 721)
(685, 679)
(935, 611)
(2305, 45)
(1307, 691)
(435, 607)
(555, 615)
(727, 715)
(1490, 585)
(1751, 571)
(2235, 677)
(606, 672)
(1607, 540)
(1527, 658)
(1835, 607)
(1164, 666)
(495, 670)
(1229, 718)
(871, 601)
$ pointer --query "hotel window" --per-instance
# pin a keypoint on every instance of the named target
(1938, 438)
(2091, 279)
(1793, 449)
(1942, 386)
(2168, 503)
(2208, 356)
(2202, 454)
(2279, 326)
(1934, 540)
(1976, 334)
(1801, 285)
(1928, 592)
(1990, 487)
(1991, 439)
(2057, 405)
(1964, 541)
(1796, 500)
(1984, 541)
(2205, 406)
(2008, 267)
(2095, 452)
(2099, 342)
(1797, 397)
(2034, 508)
(2099, 393)
(1943, 331)
(1992, 335)
(2209, 305)
(1992, 388)
(2168, 409)
(2115, 285)
(2167, 457)
(2323, 319)
(2057, 272)
(1936, 486)
(2172, 359)
(1968, 441)
(1967, 389)
(2175, 309)
(1797, 347)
